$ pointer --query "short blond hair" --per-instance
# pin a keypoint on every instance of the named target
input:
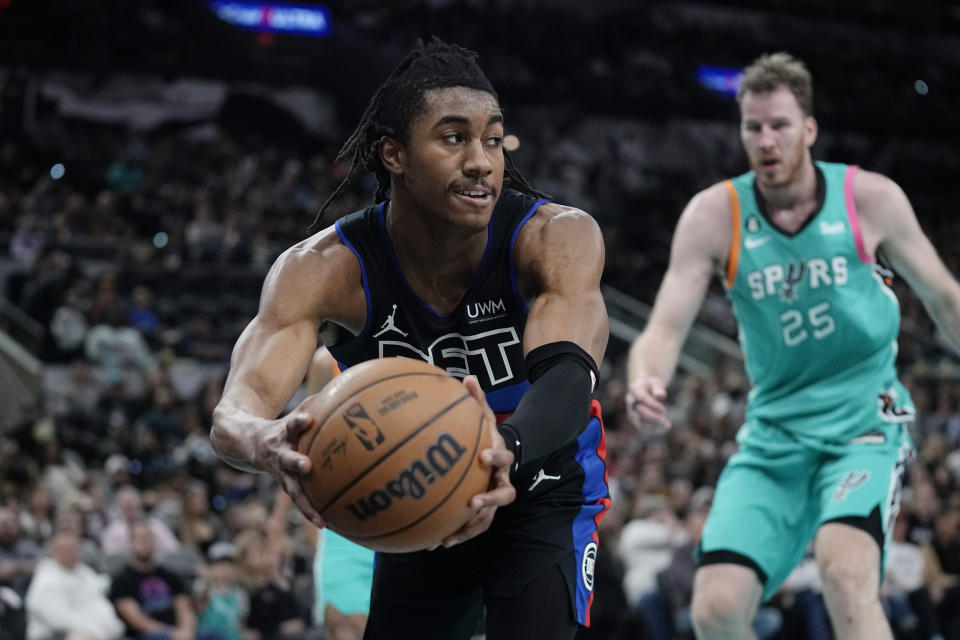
(772, 70)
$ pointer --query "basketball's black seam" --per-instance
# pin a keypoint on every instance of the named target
(476, 445)
(360, 476)
(316, 432)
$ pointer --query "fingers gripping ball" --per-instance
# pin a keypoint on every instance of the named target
(395, 454)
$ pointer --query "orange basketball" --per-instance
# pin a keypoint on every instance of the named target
(395, 454)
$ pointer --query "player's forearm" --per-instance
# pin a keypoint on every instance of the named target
(236, 421)
(654, 353)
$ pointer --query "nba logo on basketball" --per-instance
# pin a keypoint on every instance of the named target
(395, 449)
(363, 426)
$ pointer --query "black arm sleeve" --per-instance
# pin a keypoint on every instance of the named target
(555, 409)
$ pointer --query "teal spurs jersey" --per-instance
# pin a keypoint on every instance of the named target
(818, 320)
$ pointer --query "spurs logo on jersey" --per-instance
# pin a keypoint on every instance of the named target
(795, 271)
(482, 354)
(851, 482)
(786, 279)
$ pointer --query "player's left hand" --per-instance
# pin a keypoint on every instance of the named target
(501, 491)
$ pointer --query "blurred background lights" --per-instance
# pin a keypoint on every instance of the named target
(921, 87)
(160, 240)
(57, 171)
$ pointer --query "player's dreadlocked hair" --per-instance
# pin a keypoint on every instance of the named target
(431, 65)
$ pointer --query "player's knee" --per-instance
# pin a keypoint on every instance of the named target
(718, 611)
(848, 582)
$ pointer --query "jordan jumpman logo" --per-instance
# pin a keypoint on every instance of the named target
(389, 325)
(540, 477)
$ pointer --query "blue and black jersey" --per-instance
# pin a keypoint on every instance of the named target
(554, 519)
(482, 336)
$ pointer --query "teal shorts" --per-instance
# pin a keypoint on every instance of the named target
(343, 575)
(776, 492)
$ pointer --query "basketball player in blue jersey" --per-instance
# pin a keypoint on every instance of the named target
(463, 264)
(822, 451)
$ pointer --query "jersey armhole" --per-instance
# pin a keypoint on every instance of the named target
(513, 244)
(852, 216)
(733, 261)
(366, 287)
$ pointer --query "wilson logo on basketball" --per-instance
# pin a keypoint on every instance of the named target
(437, 461)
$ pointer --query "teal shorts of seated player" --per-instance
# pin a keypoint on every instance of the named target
(343, 573)
(777, 491)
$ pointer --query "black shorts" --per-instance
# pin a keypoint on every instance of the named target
(532, 570)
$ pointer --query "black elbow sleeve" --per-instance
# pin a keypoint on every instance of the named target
(556, 407)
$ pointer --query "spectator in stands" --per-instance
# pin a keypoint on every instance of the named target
(946, 551)
(646, 545)
(162, 418)
(117, 537)
(71, 521)
(36, 520)
(904, 593)
(801, 594)
(151, 600)
(62, 471)
(273, 609)
(676, 582)
(924, 506)
(67, 599)
(18, 554)
(197, 527)
(115, 408)
(220, 600)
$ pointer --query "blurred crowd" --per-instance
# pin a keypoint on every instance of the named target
(138, 257)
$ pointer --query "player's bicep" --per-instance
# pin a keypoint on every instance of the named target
(697, 249)
(274, 351)
(887, 216)
(570, 306)
(908, 251)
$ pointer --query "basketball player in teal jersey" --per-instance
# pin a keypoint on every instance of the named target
(462, 263)
(822, 452)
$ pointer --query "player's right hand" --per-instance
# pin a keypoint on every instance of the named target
(645, 408)
(501, 491)
(276, 453)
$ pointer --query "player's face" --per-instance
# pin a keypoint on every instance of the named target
(776, 134)
(452, 164)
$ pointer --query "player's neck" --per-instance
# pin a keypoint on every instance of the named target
(437, 263)
(789, 205)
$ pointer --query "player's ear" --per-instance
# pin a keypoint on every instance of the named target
(810, 130)
(392, 155)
